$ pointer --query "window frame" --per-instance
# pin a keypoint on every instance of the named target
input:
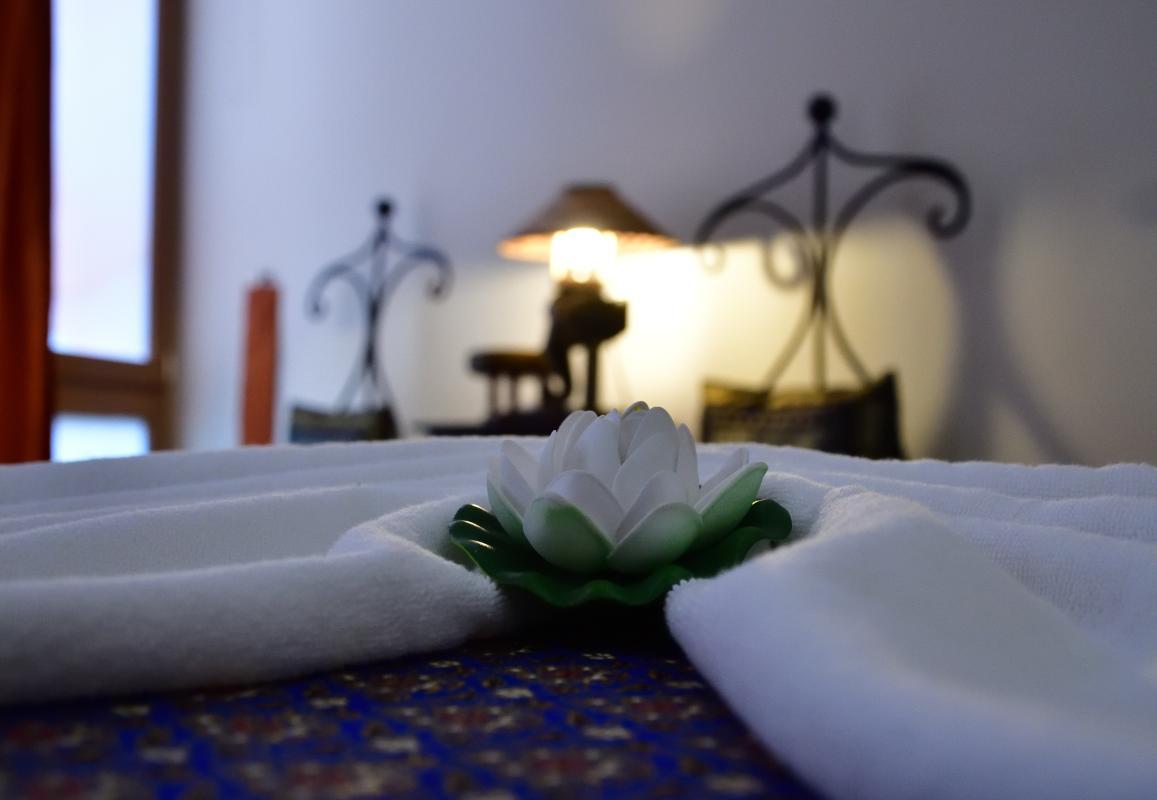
(105, 386)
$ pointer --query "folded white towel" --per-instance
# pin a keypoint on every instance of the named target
(944, 630)
(978, 633)
(173, 571)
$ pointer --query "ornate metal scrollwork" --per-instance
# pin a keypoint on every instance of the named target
(819, 241)
(373, 292)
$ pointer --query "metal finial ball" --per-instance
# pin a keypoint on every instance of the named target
(822, 109)
(385, 207)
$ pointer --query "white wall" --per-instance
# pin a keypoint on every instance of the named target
(1029, 338)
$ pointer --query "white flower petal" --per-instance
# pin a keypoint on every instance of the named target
(597, 449)
(620, 490)
(503, 510)
(687, 464)
(734, 462)
(727, 504)
(493, 475)
(661, 490)
(546, 470)
(575, 423)
(514, 488)
(654, 422)
(588, 494)
(523, 462)
(564, 535)
(656, 454)
(632, 419)
(660, 538)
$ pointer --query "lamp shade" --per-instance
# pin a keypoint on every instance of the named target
(591, 205)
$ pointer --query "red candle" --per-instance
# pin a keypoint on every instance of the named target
(257, 406)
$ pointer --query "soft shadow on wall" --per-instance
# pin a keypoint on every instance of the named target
(1046, 284)
(934, 312)
(1075, 279)
(1005, 413)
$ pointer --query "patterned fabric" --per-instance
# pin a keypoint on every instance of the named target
(550, 715)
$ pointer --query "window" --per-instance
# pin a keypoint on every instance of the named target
(113, 118)
(76, 437)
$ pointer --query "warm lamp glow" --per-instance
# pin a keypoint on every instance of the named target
(590, 213)
(580, 234)
(582, 255)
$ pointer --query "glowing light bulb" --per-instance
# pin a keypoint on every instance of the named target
(582, 255)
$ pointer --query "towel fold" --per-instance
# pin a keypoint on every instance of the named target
(937, 630)
(978, 650)
(184, 570)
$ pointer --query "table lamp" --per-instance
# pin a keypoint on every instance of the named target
(580, 234)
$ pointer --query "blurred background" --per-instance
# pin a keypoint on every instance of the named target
(199, 146)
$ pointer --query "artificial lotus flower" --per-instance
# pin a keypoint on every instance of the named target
(619, 491)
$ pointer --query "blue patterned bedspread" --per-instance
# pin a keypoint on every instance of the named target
(561, 712)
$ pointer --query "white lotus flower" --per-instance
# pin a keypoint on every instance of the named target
(619, 491)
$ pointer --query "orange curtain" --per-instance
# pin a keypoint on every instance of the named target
(25, 236)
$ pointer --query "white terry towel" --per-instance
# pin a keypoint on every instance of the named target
(956, 631)
(183, 570)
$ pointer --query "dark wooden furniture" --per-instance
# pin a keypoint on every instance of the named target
(580, 317)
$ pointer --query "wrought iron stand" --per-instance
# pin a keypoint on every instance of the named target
(818, 240)
(373, 292)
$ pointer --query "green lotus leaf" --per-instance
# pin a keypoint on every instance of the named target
(509, 563)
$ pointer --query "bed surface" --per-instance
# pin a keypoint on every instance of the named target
(935, 630)
(563, 711)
